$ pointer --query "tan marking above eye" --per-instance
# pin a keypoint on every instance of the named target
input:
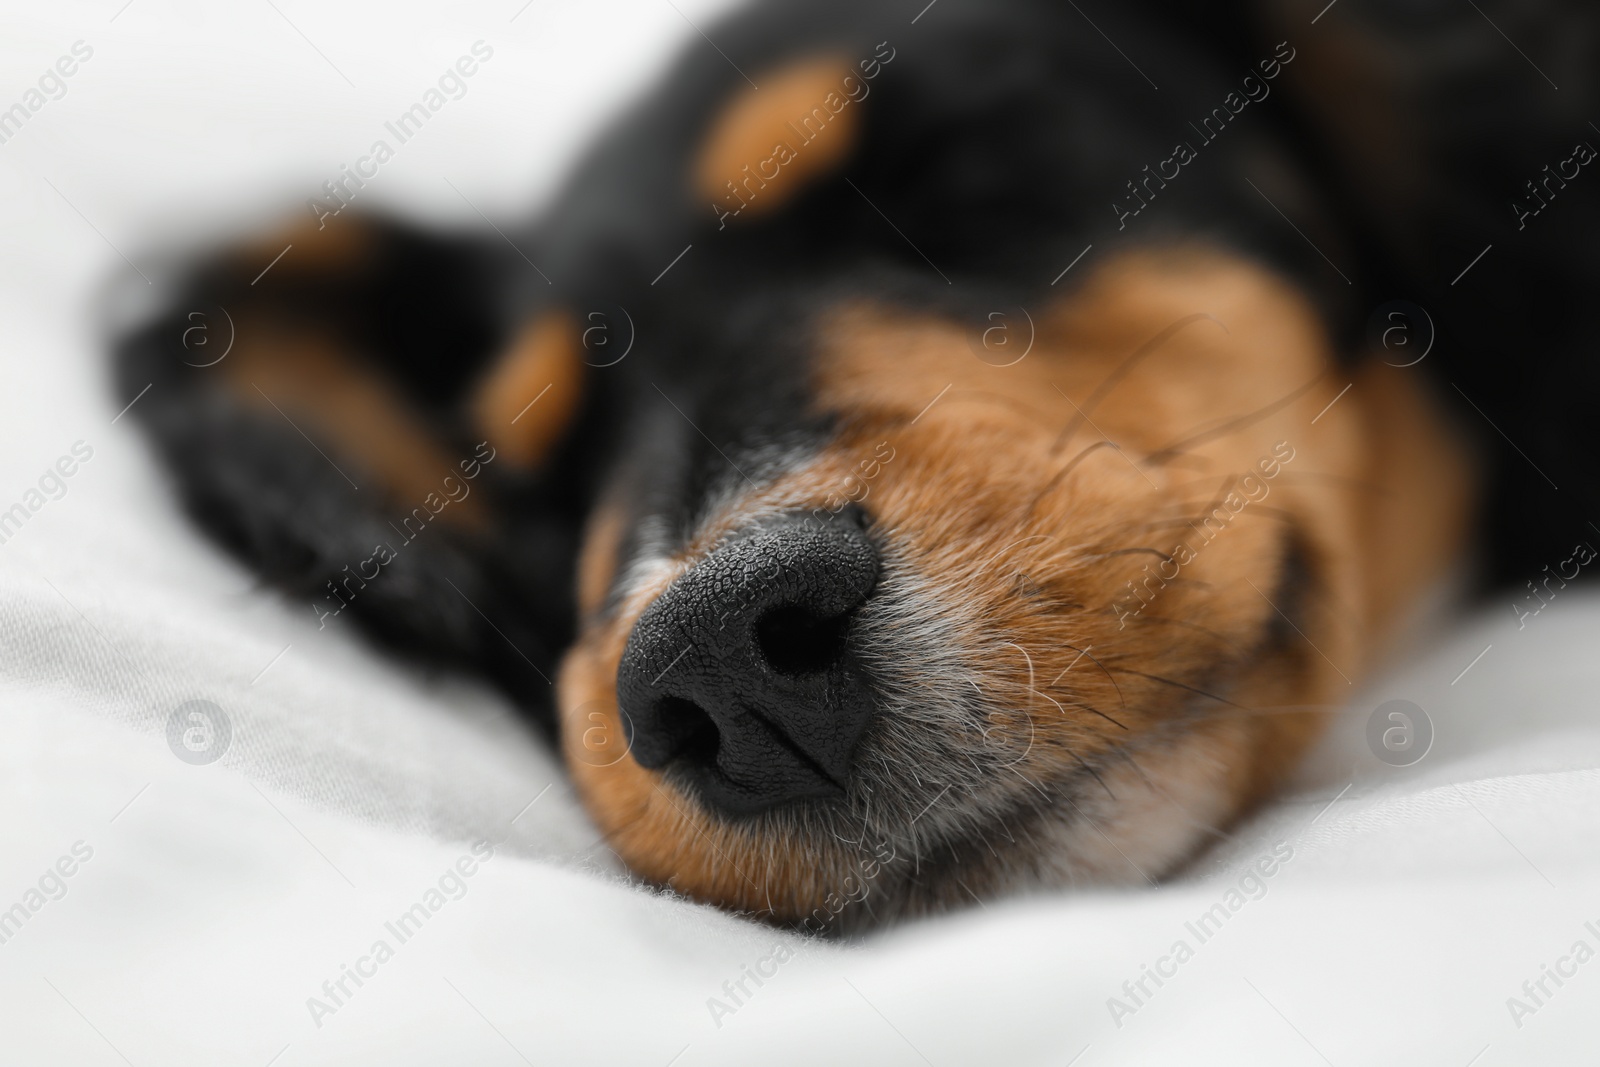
(770, 143)
(307, 249)
(527, 401)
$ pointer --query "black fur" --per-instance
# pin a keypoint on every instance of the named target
(996, 142)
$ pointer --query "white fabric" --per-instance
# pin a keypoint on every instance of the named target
(216, 899)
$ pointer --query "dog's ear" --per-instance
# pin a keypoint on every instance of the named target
(352, 412)
(770, 141)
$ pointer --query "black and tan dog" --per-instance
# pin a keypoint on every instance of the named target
(924, 455)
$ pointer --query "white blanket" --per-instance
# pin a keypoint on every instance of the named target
(387, 868)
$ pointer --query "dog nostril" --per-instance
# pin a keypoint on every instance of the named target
(795, 641)
(688, 732)
(741, 678)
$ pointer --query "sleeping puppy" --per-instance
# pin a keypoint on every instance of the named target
(928, 456)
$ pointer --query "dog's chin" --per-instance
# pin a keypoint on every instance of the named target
(980, 813)
(1149, 810)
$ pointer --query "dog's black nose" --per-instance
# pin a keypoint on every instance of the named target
(742, 675)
